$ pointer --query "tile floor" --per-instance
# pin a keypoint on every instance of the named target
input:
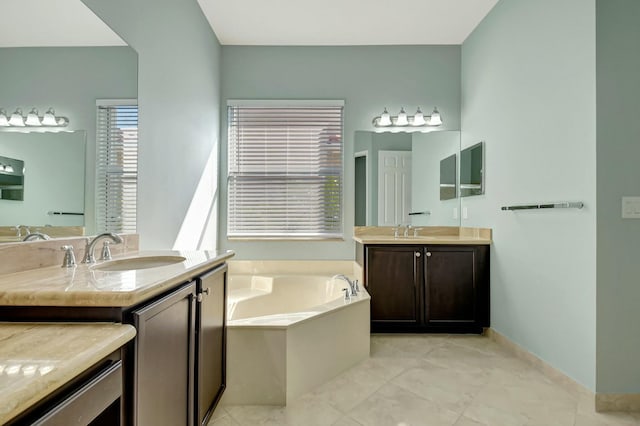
(422, 380)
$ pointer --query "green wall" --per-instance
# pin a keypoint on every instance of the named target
(529, 92)
(70, 79)
(367, 79)
(179, 101)
(618, 149)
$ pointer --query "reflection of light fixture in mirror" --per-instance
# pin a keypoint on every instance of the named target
(402, 118)
(32, 119)
(49, 118)
(385, 119)
(8, 168)
(4, 121)
(408, 123)
(17, 120)
(435, 119)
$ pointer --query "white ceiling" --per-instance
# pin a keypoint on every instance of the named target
(344, 22)
(259, 22)
(29, 23)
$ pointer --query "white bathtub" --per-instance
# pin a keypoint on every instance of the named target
(289, 333)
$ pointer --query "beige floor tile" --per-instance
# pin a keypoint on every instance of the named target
(344, 393)
(223, 421)
(406, 346)
(392, 405)
(452, 389)
(346, 421)
(466, 421)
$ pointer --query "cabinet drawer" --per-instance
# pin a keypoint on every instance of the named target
(88, 402)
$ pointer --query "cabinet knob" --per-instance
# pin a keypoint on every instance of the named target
(417, 254)
(207, 291)
(428, 254)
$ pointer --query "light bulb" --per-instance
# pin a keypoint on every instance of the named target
(49, 118)
(32, 118)
(17, 119)
(4, 121)
(402, 118)
(385, 119)
(435, 119)
(8, 169)
(418, 118)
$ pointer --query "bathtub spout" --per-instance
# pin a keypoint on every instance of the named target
(353, 285)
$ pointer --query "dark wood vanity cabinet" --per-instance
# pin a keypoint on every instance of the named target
(180, 350)
(393, 279)
(164, 359)
(210, 337)
(435, 288)
(174, 369)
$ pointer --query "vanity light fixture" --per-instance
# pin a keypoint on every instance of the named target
(7, 168)
(4, 121)
(408, 123)
(17, 119)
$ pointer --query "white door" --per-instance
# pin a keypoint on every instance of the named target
(394, 187)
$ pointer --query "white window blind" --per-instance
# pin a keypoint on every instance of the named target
(117, 166)
(285, 171)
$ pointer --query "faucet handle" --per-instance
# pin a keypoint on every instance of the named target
(69, 258)
(396, 230)
(347, 294)
(415, 231)
(87, 251)
(106, 252)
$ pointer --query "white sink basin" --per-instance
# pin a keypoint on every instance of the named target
(134, 263)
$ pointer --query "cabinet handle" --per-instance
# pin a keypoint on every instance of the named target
(200, 295)
(207, 291)
(428, 254)
(417, 254)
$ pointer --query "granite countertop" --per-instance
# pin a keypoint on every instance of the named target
(86, 286)
(38, 358)
(423, 239)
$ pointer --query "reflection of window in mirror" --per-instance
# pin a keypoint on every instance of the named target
(117, 165)
(472, 170)
(448, 178)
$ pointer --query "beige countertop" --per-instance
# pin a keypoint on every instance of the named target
(426, 239)
(86, 286)
(37, 359)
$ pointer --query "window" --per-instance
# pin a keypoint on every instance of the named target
(117, 166)
(285, 169)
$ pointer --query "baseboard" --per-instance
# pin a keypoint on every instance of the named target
(550, 372)
(617, 402)
(602, 401)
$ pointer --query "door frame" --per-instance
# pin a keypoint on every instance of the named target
(367, 179)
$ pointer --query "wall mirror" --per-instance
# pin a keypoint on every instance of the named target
(89, 63)
(472, 170)
(397, 178)
(54, 178)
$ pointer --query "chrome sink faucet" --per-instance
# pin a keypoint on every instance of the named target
(90, 246)
(353, 285)
(36, 236)
(19, 228)
(406, 231)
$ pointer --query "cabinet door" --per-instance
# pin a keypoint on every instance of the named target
(163, 365)
(211, 342)
(450, 286)
(393, 277)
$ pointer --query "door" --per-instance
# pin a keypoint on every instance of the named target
(450, 286)
(163, 361)
(211, 342)
(393, 279)
(394, 187)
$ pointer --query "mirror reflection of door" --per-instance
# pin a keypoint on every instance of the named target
(394, 187)
(361, 193)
